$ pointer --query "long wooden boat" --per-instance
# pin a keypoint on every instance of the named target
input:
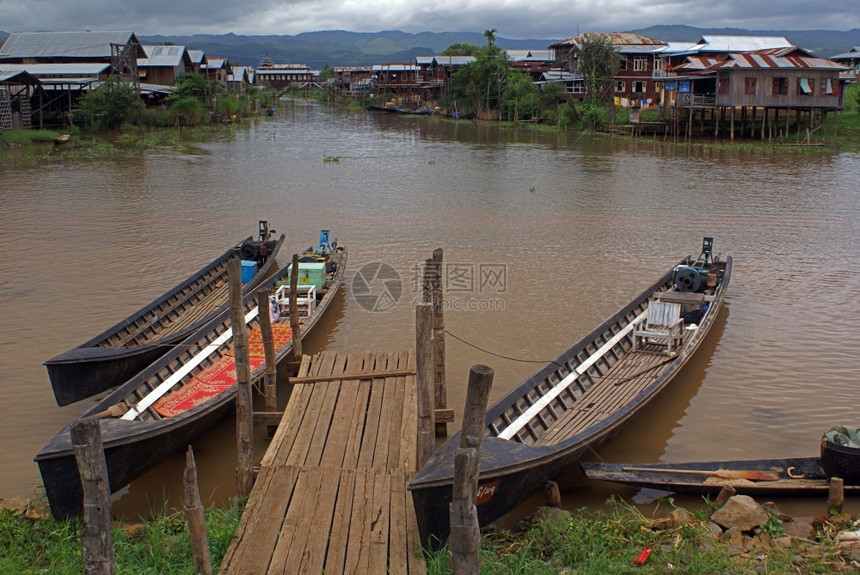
(579, 400)
(182, 394)
(797, 476)
(122, 350)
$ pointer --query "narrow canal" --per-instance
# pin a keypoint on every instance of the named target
(576, 224)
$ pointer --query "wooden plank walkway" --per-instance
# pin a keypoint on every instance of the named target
(331, 492)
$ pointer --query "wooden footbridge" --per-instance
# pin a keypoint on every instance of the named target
(331, 492)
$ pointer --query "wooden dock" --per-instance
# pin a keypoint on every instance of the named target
(331, 492)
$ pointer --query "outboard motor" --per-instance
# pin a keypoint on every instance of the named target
(694, 278)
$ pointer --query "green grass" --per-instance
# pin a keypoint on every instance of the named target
(158, 547)
(586, 542)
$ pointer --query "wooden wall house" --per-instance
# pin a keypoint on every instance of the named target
(198, 60)
(163, 64)
(398, 79)
(17, 88)
(435, 72)
(75, 57)
(760, 92)
(355, 80)
(634, 85)
(851, 59)
(283, 76)
(217, 70)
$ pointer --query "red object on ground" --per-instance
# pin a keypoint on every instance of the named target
(643, 557)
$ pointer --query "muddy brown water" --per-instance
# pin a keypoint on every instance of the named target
(568, 227)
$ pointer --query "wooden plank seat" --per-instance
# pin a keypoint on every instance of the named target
(662, 322)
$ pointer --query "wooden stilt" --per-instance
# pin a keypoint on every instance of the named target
(440, 393)
(244, 413)
(98, 554)
(836, 495)
(270, 380)
(465, 531)
(195, 517)
(295, 326)
(424, 377)
(552, 493)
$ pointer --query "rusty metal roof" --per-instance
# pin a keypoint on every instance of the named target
(618, 39)
(780, 58)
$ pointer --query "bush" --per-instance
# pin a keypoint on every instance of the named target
(186, 112)
(111, 104)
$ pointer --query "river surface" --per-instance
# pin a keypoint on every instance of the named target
(577, 225)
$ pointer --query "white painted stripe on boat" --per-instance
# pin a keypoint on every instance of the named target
(156, 393)
(532, 411)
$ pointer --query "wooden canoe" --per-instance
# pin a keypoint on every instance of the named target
(799, 476)
(122, 350)
(578, 401)
(175, 399)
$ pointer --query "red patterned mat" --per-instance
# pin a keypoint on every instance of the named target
(205, 385)
(220, 375)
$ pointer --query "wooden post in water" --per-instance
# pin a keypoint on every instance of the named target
(294, 309)
(244, 411)
(836, 495)
(195, 517)
(440, 393)
(270, 380)
(95, 534)
(465, 531)
(424, 379)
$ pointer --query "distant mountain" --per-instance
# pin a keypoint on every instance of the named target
(336, 47)
(824, 43)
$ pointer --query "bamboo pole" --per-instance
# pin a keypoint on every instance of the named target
(424, 378)
(440, 392)
(244, 412)
(295, 327)
(465, 536)
(196, 518)
(98, 553)
(836, 495)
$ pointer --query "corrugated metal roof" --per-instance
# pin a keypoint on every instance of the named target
(17, 76)
(63, 44)
(39, 70)
(196, 56)
(530, 55)
(395, 68)
(162, 56)
(741, 43)
(619, 39)
(780, 59)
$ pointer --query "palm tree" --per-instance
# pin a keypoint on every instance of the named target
(490, 35)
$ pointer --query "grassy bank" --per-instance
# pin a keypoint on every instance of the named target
(555, 542)
(32, 543)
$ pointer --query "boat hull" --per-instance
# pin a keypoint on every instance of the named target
(801, 476)
(96, 366)
(529, 437)
(133, 447)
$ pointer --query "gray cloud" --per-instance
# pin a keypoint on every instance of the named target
(511, 18)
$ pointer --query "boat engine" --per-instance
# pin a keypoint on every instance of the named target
(689, 278)
(253, 250)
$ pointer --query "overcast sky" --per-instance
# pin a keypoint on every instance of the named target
(552, 19)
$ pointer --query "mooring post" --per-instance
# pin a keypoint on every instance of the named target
(440, 396)
(244, 412)
(465, 537)
(836, 495)
(424, 378)
(195, 517)
(96, 542)
(270, 380)
(295, 327)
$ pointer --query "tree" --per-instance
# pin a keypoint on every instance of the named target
(111, 104)
(490, 35)
(327, 73)
(460, 49)
(597, 62)
(192, 85)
